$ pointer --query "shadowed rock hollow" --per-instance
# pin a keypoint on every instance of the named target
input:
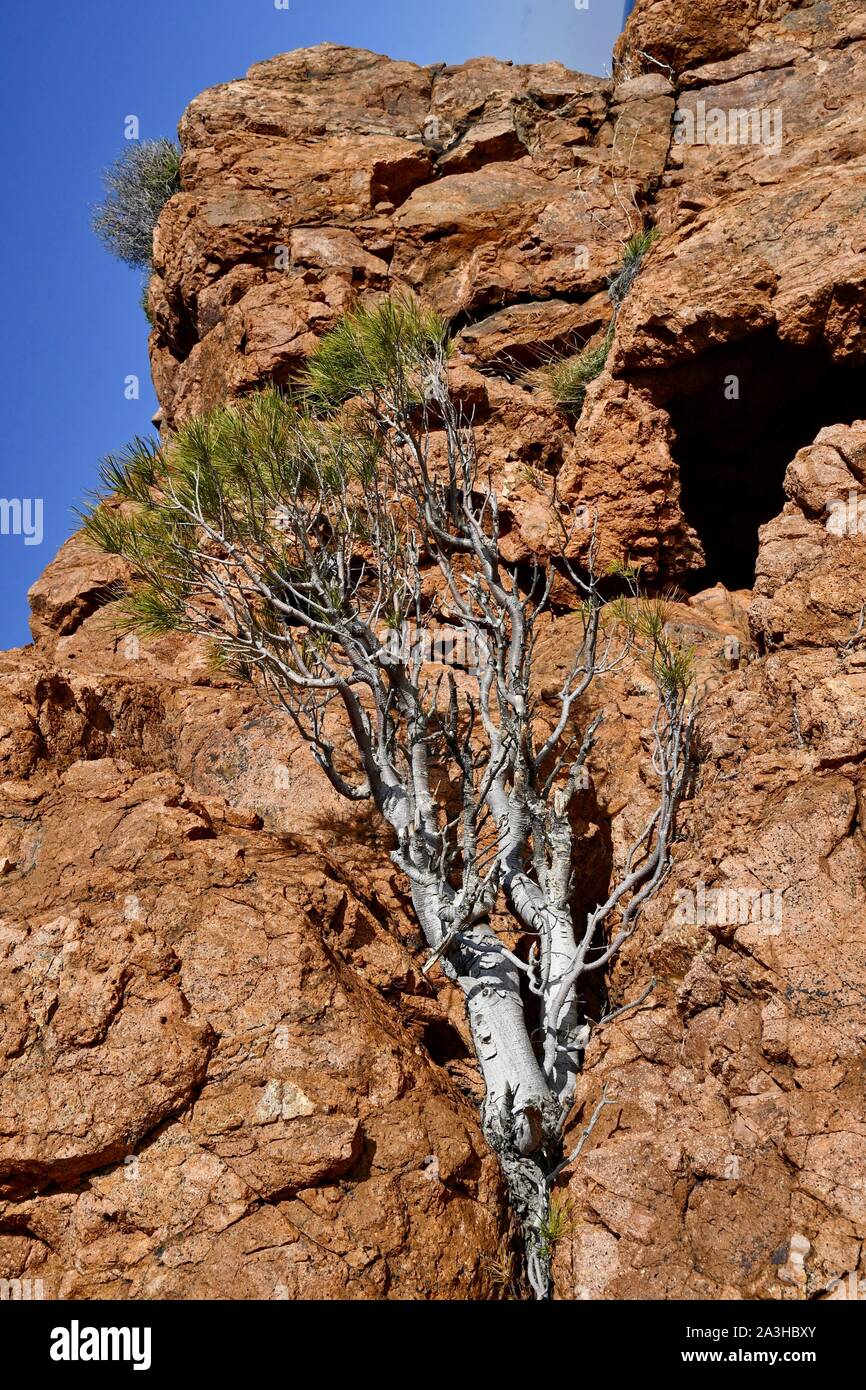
(223, 1073)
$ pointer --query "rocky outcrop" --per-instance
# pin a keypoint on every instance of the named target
(331, 171)
(218, 1060)
(737, 1124)
(224, 1074)
(743, 334)
(502, 195)
(684, 36)
(730, 1162)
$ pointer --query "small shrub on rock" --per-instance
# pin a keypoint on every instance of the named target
(137, 187)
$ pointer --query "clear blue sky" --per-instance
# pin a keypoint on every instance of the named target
(72, 70)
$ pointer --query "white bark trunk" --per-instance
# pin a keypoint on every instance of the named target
(517, 1091)
(561, 1044)
(515, 1085)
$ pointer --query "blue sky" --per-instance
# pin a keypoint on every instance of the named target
(72, 328)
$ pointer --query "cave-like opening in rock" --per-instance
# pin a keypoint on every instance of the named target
(739, 414)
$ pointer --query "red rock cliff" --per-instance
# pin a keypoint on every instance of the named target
(223, 1074)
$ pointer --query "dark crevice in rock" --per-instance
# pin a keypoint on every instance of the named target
(469, 318)
(394, 181)
(180, 334)
(67, 617)
(739, 414)
(443, 1043)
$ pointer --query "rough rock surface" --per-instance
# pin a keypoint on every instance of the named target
(223, 1074)
(738, 1117)
(210, 1085)
(487, 188)
(731, 1162)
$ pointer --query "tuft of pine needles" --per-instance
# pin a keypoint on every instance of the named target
(633, 253)
(566, 378)
(371, 348)
(646, 618)
(556, 1224)
(221, 485)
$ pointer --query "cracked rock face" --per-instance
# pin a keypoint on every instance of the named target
(223, 1072)
(503, 195)
(732, 1164)
(204, 1093)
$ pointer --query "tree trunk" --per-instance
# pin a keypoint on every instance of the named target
(517, 1091)
(517, 1094)
(562, 1042)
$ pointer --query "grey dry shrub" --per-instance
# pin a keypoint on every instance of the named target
(137, 187)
